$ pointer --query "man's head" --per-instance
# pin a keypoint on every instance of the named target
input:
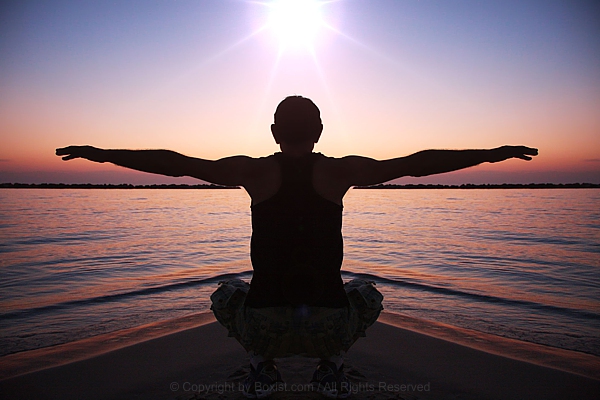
(297, 122)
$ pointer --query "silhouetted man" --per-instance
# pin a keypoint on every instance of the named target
(296, 302)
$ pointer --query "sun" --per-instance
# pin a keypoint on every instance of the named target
(295, 22)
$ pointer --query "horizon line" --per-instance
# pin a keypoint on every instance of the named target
(577, 185)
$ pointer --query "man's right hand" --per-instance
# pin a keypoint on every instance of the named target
(88, 152)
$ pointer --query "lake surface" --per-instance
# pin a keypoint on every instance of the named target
(517, 263)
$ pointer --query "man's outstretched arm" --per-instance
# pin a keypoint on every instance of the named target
(226, 171)
(367, 171)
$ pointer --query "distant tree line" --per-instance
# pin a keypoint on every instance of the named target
(487, 186)
(108, 186)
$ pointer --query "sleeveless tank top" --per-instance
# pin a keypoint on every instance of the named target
(296, 247)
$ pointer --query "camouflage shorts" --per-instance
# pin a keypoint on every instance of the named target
(285, 331)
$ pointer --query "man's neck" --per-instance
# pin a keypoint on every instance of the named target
(297, 150)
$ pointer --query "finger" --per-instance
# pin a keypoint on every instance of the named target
(61, 151)
(69, 157)
(523, 157)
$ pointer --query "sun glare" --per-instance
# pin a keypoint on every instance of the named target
(295, 22)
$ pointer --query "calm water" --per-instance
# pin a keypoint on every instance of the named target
(523, 264)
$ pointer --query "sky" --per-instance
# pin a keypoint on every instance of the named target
(391, 77)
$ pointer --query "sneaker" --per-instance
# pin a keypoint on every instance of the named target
(262, 381)
(331, 381)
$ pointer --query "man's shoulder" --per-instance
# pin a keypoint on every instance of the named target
(341, 162)
(253, 161)
(329, 159)
(343, 159)
(343, 170)
(261, 165)
(335, 167)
